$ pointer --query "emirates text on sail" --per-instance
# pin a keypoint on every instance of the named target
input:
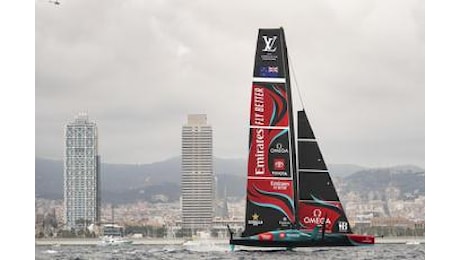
(259, 120)
(260, 152)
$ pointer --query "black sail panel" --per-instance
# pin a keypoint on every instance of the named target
(318, 199)
(304, 128)
(316, 185)
(310, 156)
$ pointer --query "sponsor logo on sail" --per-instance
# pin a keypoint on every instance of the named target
(343, 226)
(258, 104)
(279, 167)
(260, 152)
(269, 48)
(269, 43)
(279, 149)
(255, 221)
(284, 222)
(317, 218)
(279, 185)
(279, 164)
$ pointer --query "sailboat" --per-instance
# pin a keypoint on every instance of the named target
(291, 200)
(113, 234)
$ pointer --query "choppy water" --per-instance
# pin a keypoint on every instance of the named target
(380, 251)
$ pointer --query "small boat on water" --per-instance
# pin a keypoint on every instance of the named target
(115, 240)
(114, 235)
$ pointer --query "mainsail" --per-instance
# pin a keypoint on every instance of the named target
(270, 191)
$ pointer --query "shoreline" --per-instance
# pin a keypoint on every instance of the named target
(97, 241)
(158, 241)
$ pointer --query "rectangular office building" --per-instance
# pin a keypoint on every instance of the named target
(197, 174)
(81, 174)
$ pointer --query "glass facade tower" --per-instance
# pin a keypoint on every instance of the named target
(81, 174)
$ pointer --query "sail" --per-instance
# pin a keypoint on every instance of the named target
(270, 191)
(318, 199)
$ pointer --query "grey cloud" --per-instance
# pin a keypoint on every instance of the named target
(139, 67)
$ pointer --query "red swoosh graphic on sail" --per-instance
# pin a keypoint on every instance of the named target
(277, 202)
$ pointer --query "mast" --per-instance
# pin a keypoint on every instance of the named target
(291, 127)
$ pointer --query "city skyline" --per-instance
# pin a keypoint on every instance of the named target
(139, 78)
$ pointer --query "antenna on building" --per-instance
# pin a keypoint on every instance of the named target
(113, 218)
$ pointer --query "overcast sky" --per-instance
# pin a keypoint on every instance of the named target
(137, 68)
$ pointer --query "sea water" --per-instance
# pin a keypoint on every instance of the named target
(378, 251)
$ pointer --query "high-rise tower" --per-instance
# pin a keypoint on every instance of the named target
(197, 174)
(81, 173)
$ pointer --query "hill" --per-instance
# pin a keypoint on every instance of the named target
(123, 183)
(127, 182)
(408, 183)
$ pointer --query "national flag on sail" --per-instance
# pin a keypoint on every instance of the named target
(268, 71)
(272, 69)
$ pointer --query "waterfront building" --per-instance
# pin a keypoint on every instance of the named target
(197, 182)
(81, 174)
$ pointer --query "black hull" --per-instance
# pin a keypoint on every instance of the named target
(290, 244)
(296, 238)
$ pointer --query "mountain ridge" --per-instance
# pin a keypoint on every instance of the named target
(123, 183)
